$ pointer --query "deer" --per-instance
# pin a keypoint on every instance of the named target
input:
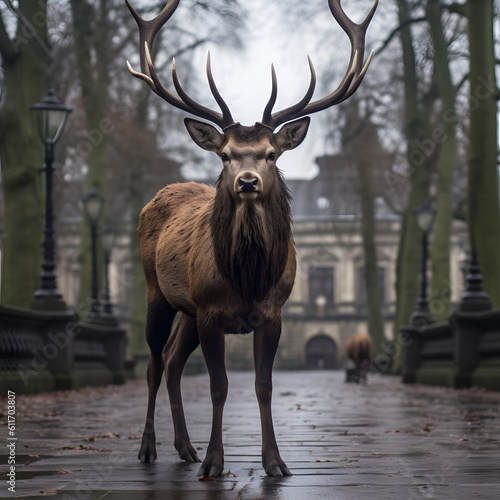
(359, 349)
(222, 254)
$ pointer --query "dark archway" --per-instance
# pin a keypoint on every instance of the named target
(321, 353)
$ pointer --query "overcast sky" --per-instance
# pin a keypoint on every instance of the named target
(244, 78)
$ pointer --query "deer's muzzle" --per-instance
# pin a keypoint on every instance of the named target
(248, 185)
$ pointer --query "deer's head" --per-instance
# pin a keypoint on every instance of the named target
(249, 154)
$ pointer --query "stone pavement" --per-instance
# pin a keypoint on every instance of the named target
(384, 440)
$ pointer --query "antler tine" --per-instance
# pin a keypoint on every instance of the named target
(226, 113)
(266, 117)
(357, 81)
(147, 33)
(196, 108)
(149, 29)
(355, 72)
(282, 116)
(355, 32)
(156, 85)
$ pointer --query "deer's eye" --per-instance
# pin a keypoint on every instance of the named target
(271, 156)
(224, 157)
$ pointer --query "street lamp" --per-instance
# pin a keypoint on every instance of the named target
(424, 215)
(93, 203)
(474, 298)
(51, 117)
(107, 241)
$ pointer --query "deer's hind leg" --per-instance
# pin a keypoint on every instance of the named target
(159, 320)
(180, 345)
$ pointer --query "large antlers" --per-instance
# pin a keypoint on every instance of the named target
(147, 32)
(349, 84)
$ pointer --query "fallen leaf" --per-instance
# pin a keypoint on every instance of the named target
(229, 473)
(462, 439)
(34, 456)
(206, 478)
(427, 428)
(107, 435)
(80, 447)
(323, 461)
(65, 471)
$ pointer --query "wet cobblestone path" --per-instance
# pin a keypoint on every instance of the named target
(383, 440)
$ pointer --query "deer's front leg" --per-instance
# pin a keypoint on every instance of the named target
(266, 339)
(212, 344)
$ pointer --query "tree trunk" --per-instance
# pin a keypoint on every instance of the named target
(416, 130)
(445, 135)
(21, 156)
(482, 198)
(94, 81)
(361, 144)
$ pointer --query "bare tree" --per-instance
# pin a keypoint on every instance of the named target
(25, 56)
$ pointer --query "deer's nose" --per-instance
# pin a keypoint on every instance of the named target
(248, 186)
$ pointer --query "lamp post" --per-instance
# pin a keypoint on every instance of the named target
(93, 203)
(107, 241)
(424, 215)
(474, 298)
(51, 117)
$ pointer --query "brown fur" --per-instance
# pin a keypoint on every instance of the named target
(227, 262)
(220, 256)
(359, 349)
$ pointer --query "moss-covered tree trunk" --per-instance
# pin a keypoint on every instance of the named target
(444, 138)
(21, 156)
(361, 145)
(92, 61)
(416, 130)
(137, 344)
(482, 198)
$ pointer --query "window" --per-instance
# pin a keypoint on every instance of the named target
(321, 284)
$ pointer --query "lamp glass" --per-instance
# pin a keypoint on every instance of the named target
(425, 215)
(93, 203)
(107, 239)
(425, 219)
(51, 116)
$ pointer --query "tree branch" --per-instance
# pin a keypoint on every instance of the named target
(33, 34)
(7, 49)
(456, 8)
(396, 30)
(461, 82)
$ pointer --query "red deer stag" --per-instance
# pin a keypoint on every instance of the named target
(359, 348)
(219, 255)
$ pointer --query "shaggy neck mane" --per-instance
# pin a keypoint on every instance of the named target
(251, 239)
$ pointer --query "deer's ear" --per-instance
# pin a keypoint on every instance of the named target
(291, 134)
(206, 136)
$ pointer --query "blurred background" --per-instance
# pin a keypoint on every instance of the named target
(420, 135)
